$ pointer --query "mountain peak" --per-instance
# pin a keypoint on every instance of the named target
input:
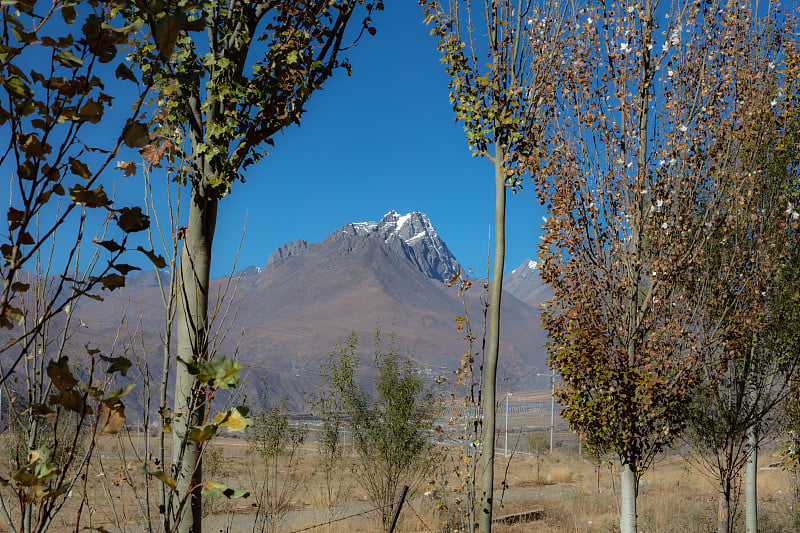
(526, 266)
(409, 227)
(525, 282)
(411, 235)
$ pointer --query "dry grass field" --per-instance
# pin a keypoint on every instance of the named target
(570, 495)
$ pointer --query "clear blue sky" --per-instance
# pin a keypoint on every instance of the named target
(382, 139)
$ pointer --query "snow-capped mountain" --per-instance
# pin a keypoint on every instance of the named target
(252, 270)
(411, 236)
(308, 295)
(526, 283)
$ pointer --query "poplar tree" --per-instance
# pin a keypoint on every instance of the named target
(499, 89)
(750, 311)
(645, 167)
(228, 76)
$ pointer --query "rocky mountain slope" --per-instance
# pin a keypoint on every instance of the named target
(525, 283)
(281, 320)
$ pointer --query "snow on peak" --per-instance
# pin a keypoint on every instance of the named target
(410, 227)
(402, 220)
(414, 231)
(526, 267)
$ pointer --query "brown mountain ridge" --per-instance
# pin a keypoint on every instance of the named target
(282, 319)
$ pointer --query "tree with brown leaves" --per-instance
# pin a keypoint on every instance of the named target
(645, 166)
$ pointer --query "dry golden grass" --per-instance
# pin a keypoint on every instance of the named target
(673, 496)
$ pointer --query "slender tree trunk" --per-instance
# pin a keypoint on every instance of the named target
(628, 485)
(493, 334)
(629, 477)
(751, 482)
(192, 343)
(724, 507)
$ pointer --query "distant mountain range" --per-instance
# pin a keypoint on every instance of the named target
(526, 284)
(282, 319)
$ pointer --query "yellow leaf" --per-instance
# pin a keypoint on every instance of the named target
(234, 420)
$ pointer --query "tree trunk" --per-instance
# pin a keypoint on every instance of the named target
(493, 334)
(724, 507)
(751, 481)
(192, 343)
(628, 485)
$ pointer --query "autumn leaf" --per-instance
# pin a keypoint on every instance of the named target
(234, 419)
(136, 134)
(128, 168)
(161, 476)
(131, 220)
(217, 490)
(113, 417)
(59, 373)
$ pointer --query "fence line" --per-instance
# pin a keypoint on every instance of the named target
(518, 409)
(339, 519)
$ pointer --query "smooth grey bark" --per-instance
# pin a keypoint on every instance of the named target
(629, 488)
(751, 481)
(493, 335)
(629, 476)
(191, 334)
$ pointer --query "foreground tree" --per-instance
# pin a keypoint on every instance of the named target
(644, 169)
(55, 63)
(218, 102)
(52, 106)
(499, 89)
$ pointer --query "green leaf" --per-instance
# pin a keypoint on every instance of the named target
(119, 393)
(222, 372)
(94, 392)
(131, 220)
(22, 5)
(7, 53)
(216, 490)
(68, 59)
(17, 88)
(117, 364)
(59, 373)
(38, 470)
(136, 134)
(202, 433)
